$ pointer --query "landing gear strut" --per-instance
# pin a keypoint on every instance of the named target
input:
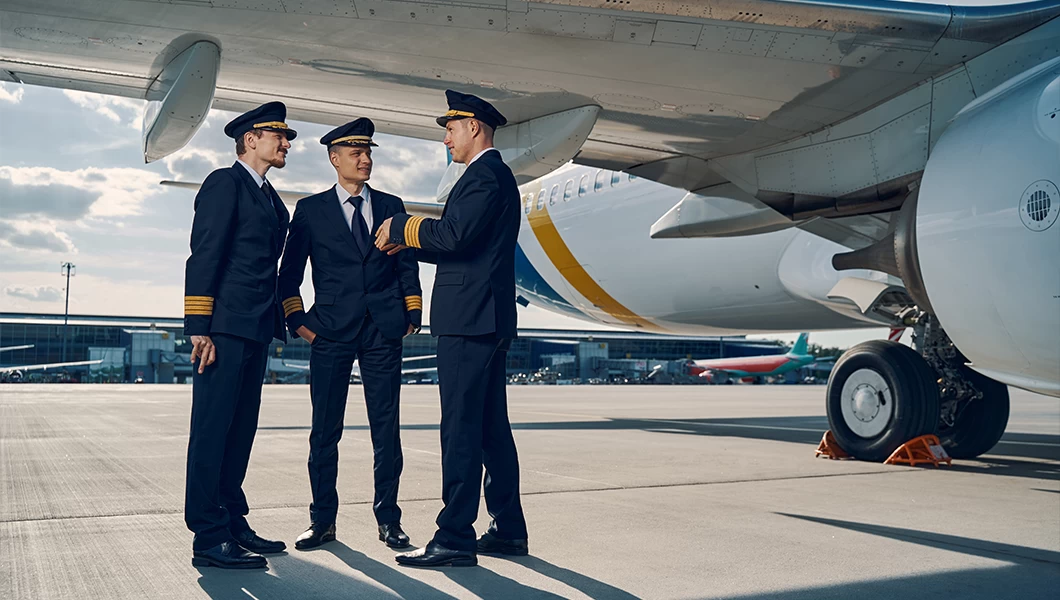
(882, 394)
(973, 409)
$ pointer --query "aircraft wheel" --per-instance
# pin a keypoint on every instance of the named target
(880, 395)
(981, 423)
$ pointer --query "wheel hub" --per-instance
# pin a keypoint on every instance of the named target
(867, 403)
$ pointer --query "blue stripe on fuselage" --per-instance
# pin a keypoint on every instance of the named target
(535, 289)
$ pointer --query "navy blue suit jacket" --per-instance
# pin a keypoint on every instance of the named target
(348, 282)
(473, 244)
(237, 237)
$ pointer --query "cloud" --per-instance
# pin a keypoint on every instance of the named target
(110, 106)
(54, 193)
(37, 294)
(194, 164)
(409, 168)
(35, 237)
(100, 295)
(56, 201)
(41, 240)
(11, 93)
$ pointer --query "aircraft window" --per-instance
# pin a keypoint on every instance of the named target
(632, 177)
(601, 179)
(528, 203)
(541, 200)
(568, 190)
(583, 186)
(553, 195)
(616, 178)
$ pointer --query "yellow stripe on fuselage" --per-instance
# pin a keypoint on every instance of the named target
(570, 269)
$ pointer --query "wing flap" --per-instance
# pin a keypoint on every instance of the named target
(70, 78)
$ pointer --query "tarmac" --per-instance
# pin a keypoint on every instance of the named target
(629, 492)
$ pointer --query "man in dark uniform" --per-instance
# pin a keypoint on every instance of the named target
(232, 313)
(366, 302)
(473, 315)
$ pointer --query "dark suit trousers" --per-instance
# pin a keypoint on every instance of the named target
(476, 433)
(330, 366)
(224, 419)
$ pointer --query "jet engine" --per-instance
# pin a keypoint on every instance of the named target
(986, 232)
(976, 245)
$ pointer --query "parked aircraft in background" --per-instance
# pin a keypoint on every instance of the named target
(769, 365)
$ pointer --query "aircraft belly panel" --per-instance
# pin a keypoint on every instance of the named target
(688, 84)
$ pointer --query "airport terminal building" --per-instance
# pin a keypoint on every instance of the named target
(155, 350)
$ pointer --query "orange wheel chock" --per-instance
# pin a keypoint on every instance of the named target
(926, 449)
(830, 448)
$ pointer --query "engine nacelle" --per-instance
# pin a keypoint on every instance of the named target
(986, 231)
(188, 82)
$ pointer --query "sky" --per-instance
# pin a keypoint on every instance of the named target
(74, 187)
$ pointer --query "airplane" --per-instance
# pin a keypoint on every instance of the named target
(15, 374)
(756, 366)
(896, 161)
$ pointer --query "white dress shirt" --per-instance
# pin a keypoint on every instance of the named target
(348, 207)
(258, 179)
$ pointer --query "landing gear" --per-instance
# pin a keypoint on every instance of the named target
(973, 409)
(972, 426)
(881, 394)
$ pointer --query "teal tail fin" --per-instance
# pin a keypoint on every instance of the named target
(801, 345)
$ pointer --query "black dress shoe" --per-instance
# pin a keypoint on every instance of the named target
(393, 536)
(255, 543)
(228, 555)
(317, 534)
(491, 544)
(435, 555)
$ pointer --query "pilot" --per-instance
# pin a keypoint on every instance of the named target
(232, 313)
(365, 303)
(473, 315)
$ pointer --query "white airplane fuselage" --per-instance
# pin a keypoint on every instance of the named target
(588, 254)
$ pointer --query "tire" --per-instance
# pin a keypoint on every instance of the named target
(982, 423)
(880, 395)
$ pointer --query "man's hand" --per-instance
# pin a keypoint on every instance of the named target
(382, 239)
(412, 328)
(382, 235)
(202, 347)
(307, 335)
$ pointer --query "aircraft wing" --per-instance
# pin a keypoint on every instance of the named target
(403, 359)
(420, 370)
(663, 89)
(46, 366)
(714, 370)
(13, 348)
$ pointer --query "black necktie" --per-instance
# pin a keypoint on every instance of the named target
(273, 199)
(358, 226)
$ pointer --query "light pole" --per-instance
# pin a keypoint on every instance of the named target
(68, 270)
